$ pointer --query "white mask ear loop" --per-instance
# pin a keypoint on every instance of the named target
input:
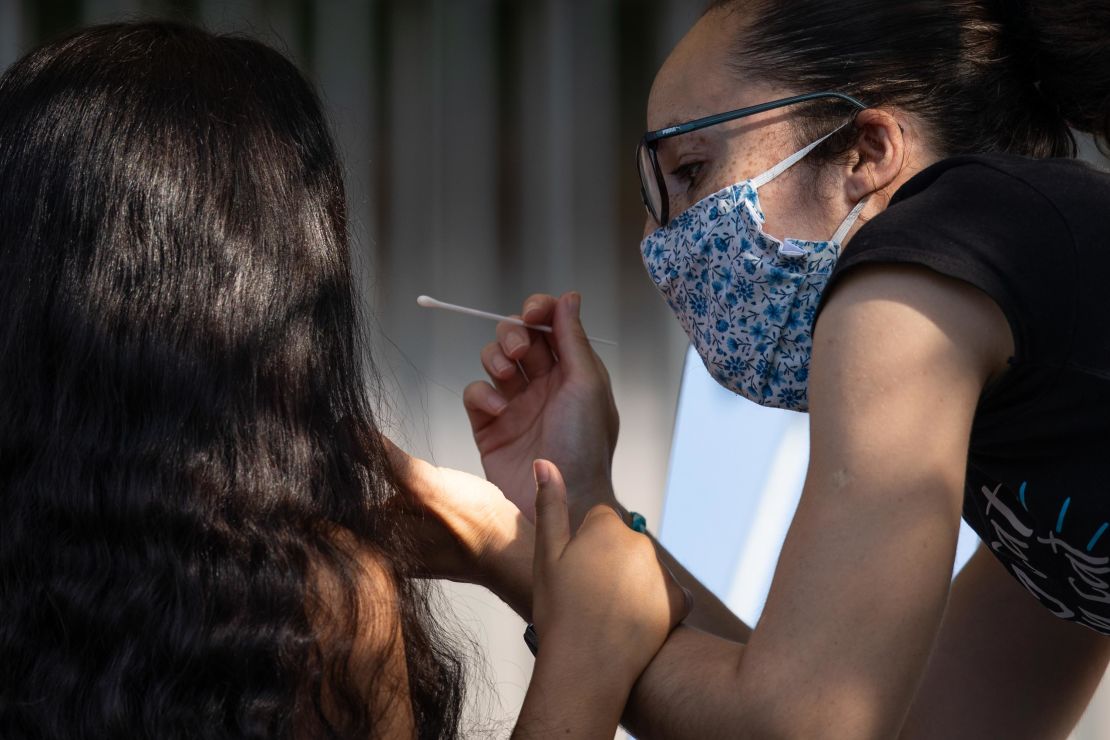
(760, 180)
(849, 221)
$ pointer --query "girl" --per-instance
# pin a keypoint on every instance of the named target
(202, 535)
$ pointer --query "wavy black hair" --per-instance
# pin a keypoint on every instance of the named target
(185, 431)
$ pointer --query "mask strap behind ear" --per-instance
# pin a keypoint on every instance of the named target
(849, 221)
(784, 165)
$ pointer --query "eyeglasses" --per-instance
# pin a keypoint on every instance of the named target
(653, 188)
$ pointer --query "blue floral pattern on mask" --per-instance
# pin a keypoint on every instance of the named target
(745, 299)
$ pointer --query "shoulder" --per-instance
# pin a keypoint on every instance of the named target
(891, 323)
(992, 199)
(1004, 224)
(1001, 174)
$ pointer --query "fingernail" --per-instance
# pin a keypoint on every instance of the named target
(502, 366)
(514, 344)
(575, 301)
(528, 309)
(543, 475)
(497, 405)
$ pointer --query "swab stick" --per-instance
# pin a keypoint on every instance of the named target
(429, 302)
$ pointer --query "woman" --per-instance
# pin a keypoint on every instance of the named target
(202, 537)
(909, 253)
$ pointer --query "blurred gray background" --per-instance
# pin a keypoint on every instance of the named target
(489, 153)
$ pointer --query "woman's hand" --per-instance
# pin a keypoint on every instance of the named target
(550, 398)
(466, 530)
(602, 588)
(604, 605)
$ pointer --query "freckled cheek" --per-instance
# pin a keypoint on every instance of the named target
(735, 166)
(739, 164)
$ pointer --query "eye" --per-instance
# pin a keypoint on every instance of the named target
(688, 174)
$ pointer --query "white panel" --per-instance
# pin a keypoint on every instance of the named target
(767, 530)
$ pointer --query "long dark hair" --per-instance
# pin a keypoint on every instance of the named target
(184, 426)
(984, 75)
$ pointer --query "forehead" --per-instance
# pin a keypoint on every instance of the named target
(698, 78)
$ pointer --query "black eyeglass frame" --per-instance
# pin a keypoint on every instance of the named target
(651, 140)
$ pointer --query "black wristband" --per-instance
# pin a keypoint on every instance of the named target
(531, 639)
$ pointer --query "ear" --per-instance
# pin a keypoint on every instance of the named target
(880, 154)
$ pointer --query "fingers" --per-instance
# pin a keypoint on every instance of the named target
(504, 373)
(527, 347)
(432, 541)
(483, 404)
(571, 344)
(416, 479)
(552, 517)
(518, 343)
(539, 308)
(404, 465)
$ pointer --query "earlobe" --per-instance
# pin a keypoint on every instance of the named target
(880, 153)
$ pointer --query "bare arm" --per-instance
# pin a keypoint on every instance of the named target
(845, 642)
(603, 606)
(709, 614)
(900, 358)
(996, 644)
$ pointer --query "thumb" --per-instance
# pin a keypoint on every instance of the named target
(571, 344)
(412, 475)
(552, 518)
(401, 462)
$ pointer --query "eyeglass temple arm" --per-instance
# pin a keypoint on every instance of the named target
(683, 128)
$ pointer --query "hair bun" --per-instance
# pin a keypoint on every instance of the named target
(1063, 48)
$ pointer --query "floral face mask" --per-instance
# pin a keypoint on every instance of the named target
(746, 299)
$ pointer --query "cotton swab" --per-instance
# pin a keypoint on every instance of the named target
(429, 302)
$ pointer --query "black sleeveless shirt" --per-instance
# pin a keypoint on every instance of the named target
(1034, 235)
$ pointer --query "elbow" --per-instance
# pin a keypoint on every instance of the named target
(832, 713)
(760, 725)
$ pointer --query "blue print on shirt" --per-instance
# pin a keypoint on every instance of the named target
(1083, 595)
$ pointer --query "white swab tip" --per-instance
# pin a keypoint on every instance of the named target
(426, 301)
